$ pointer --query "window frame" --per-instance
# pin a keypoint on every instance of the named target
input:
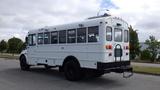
(55, 36)
(30, 40)
(127, 36)
(93, 28)
(111, 33)
(78, 34)
(73, 35)
(30, 37)
(115, 29)
(40, 38)
(60, 36)
(34, 42)
(48, 37)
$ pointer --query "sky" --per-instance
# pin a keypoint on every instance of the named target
(17, 17)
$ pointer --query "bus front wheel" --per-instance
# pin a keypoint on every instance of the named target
(23, 64)
(72, 71)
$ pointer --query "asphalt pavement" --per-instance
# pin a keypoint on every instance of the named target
(12, 78)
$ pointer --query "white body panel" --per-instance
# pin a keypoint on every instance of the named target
(88, 54)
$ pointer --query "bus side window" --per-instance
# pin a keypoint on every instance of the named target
(26, 40)
(81, 35)
(109, 33)
(62, 36)
(126, 36)
(32, 39)
(71, 36)
(40, 38)
(93, 34)
(47, 38)
(54, 37)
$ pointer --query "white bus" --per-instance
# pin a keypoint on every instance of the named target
(98, 44)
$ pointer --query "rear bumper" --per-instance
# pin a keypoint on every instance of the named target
(118, 67)
(113, 65)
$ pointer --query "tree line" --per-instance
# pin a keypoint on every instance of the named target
(13, 45)
(151, 53)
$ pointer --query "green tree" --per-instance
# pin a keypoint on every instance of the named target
(134, 43)
(3, 46)
(145, 55)
(21, 46)
(14, 45)
(153, 46)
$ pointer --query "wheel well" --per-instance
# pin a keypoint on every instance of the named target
(69, 58)
(21, 56)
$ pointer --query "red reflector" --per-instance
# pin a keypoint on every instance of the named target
(108, 46)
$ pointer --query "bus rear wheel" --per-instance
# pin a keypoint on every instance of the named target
(23, 64)
(72, 71)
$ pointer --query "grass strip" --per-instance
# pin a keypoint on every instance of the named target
(9, 56)
(147, 70)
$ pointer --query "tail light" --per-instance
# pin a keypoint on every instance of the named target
(108, 46)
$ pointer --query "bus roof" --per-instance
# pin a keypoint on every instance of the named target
(86, 22)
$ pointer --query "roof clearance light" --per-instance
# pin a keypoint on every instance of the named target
(118, 24)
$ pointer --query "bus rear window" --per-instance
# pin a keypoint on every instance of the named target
(109, 34)
(118, 35)
(126, 36)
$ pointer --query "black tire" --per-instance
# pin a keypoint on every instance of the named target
(72, 71)
(23, 64)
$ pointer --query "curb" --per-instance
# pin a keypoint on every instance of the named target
(146, 73)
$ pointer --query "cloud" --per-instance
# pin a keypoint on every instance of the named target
(19, 16)
(144, 15)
